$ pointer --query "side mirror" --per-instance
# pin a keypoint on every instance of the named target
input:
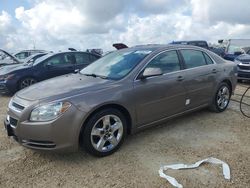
(149, 72)
(238, 53)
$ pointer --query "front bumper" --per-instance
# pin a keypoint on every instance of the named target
(61, 134)
(3, 87)
(244, 74)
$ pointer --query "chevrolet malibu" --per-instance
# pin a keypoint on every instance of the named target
(119, 94)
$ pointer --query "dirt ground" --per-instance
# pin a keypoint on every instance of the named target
(186, 139)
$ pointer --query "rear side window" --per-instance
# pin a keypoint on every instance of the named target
(69, 59)
(208, 59)
(166, 61)
(93, 58)
(193, 58)
(82, 58)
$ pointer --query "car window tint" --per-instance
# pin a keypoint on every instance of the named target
(93, 57)
(208, 59)
(82, 58)
(56, 60)
(167, 62)
(193, 58)
(69, 59)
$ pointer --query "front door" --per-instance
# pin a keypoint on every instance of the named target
(59, 65)
(160, 96)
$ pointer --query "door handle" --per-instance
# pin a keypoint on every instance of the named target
(214, 71)
(180, 78)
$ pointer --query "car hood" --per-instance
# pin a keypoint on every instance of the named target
(10, 68)
(244, 58)
(63, 87)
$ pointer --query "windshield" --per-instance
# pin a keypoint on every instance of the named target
(116, 65)
(33, 58)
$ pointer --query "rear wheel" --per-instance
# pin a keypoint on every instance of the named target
(26, 82)
(104, 132)
(222, 98)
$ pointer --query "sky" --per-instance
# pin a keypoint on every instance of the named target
(82, 24)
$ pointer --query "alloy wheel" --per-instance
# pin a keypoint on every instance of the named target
(27, 82)
(223, 97)
(107, 133)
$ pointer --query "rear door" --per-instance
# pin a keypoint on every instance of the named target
(200, 79)
(59, 64)
(160, 96)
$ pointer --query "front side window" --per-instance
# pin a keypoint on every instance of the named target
(193, 58)
(166, 61)
(116, 65)
(57, 60)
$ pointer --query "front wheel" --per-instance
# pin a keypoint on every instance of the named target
(104, 132)
(26, 82)
(222, 98)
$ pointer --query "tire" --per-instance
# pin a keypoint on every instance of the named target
(26, 82)
(221, 98)
(100, 136)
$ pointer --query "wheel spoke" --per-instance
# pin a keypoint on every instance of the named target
(106, 120)
(115, 126)
(100, 143)
(113, 141)
(97, 132)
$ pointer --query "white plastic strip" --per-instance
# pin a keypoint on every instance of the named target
(174, 182)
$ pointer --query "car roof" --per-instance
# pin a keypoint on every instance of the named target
(57, 53)
(159, 47)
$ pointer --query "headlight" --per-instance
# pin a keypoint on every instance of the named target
(49, 112)
(7, 77)
(237, 61)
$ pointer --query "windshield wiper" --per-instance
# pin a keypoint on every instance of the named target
(95, 76)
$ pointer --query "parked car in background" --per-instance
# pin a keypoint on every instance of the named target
(121, 93)
(48, 66)
(200, 43)
(7, 59)
(218, 50)
(203, 44)
(243, 63)
(26, 53)
(235, 47)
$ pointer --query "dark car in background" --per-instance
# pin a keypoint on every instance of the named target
(234, 48)
(203, 44)
(243, 64)
(199, 43)
(14, 78)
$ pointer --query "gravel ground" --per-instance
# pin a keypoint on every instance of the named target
(186, 139)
